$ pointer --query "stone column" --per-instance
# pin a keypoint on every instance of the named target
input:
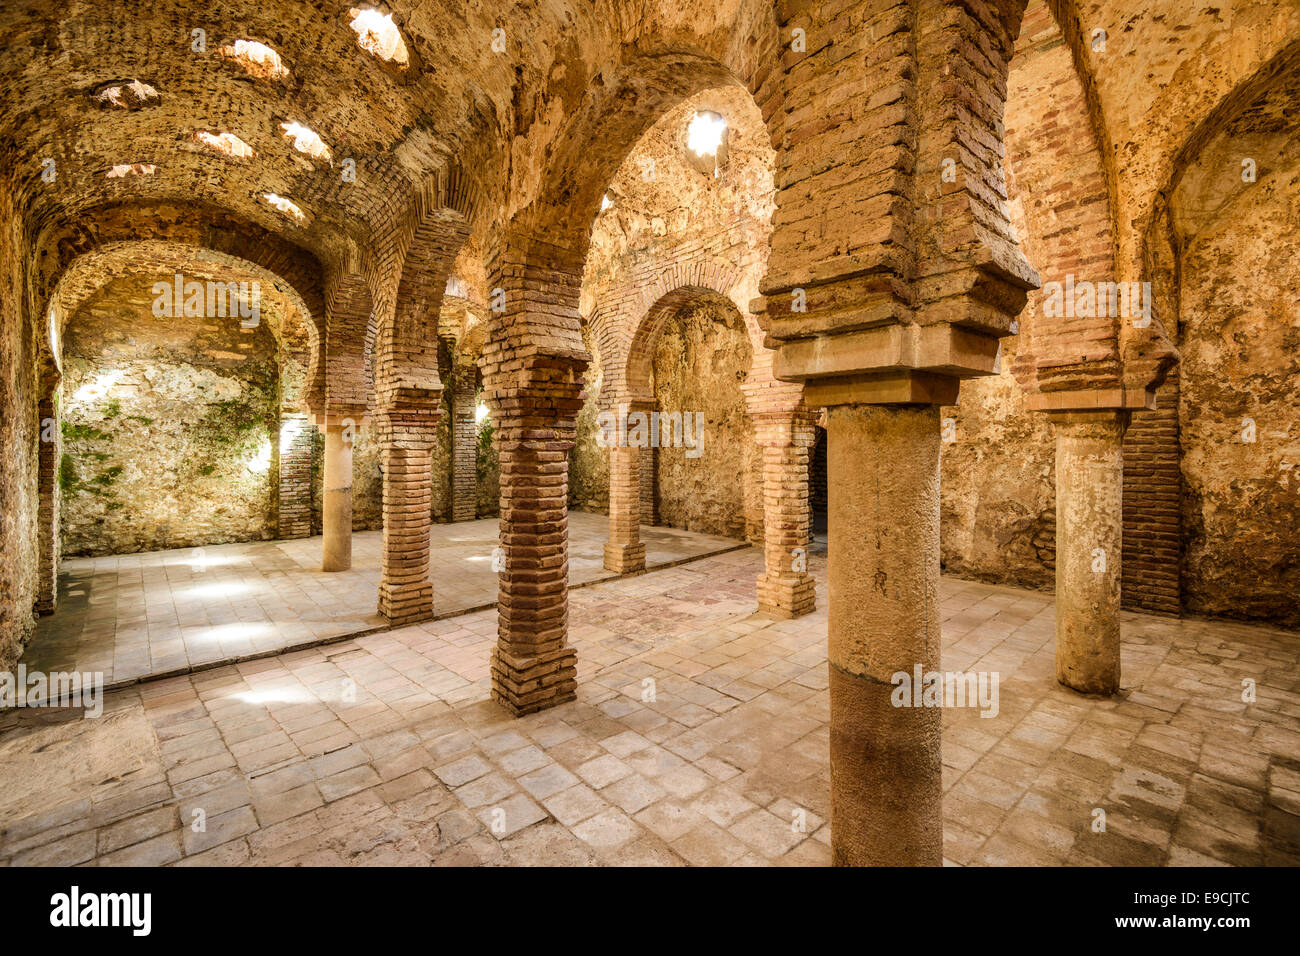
(533, 666)
(336, 511)
(464, 445)
(785, 589)
(624, 551)
(1089, 541)
(405, 591)
(886, 796)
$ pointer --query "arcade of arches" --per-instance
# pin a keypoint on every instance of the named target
(595, 417)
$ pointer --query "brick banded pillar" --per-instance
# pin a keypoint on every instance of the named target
(405, 590)
(464, 445)
(785, 589)
(886, 794)
(625, 551)
(294, 516)
(1089, 544)
(649, 472)
(336, 511)
(533, 667)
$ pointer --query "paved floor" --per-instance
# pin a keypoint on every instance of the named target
(136, 615)
(699, 737)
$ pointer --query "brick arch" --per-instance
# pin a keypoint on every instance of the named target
(339, 381)
(89, 272)
(694, 282)
(191, 224)
(1056, 147)
(408, 275)
(539, 258)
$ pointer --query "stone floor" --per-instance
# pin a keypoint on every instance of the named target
(699, 737)
(138, 615)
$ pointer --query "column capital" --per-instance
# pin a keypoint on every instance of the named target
(905, 387)
(1116, 399)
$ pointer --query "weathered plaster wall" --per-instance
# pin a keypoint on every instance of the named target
(170, 427)
(1241, 360)
(19, 437)
(997, 490)
(700, 361)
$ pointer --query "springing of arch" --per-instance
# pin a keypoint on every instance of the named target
(434, 230)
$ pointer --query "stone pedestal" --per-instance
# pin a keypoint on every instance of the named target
(1089, 541)
(336, 511)
(886, 796)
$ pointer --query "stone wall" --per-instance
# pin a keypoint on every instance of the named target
(997, 489)
(19, 439)
(1240, 405)
(589, 460)
(701, 358)
(170, 427)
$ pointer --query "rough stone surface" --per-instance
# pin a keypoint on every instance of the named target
(170, 427)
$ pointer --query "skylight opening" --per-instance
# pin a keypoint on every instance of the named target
(705, 133)
(123, 170)
(134, 95)
(605, 202)
(257, 59)
(378, 34)
(228, 144)
(286, 206)
(307, 141)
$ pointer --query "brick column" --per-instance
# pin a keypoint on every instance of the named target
(648, 476)
(464, 445)
(336, 511)
(533, 667)
(294, 518)
(405, 590)
(1089, 543)
(624, 551)
(785, 589)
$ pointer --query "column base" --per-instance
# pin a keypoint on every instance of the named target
(886, 772)
(406, 604)
(786, 597)
(624, 558)
(525, 685)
